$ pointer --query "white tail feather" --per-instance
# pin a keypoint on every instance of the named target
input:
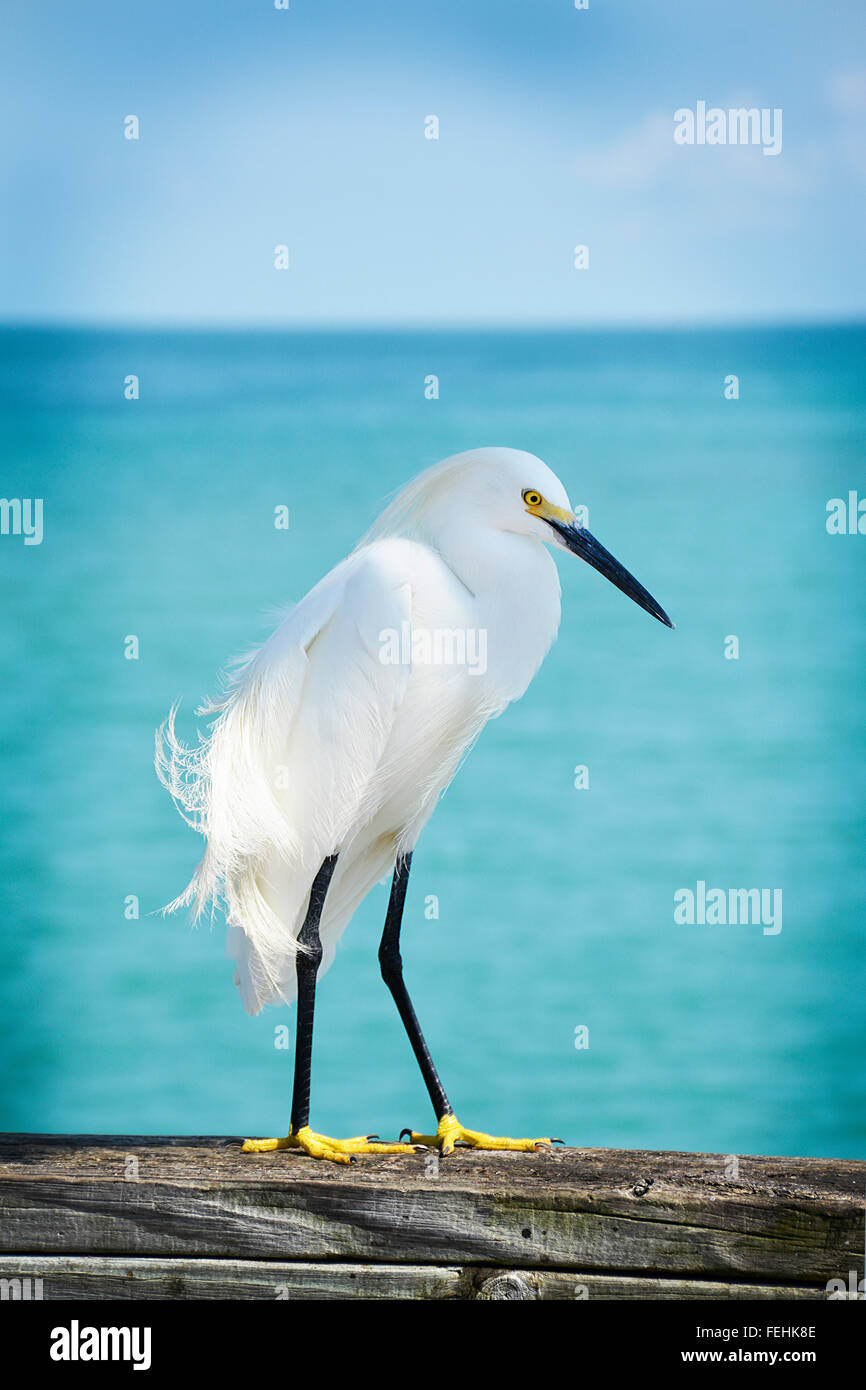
(226, 789)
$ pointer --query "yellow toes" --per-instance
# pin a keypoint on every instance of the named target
(362, 1145)
(477, 1140)
(321, 1146)
(318, 1146)
(450, 1132)
(261, 1146)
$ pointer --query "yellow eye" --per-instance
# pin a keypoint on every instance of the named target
(532, 499)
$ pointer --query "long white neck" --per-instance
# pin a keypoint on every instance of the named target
(515, 586)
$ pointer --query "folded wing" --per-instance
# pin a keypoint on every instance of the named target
(288, 772)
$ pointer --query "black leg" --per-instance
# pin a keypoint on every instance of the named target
(307, 966)
(392, 973)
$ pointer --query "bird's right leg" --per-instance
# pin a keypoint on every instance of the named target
(300, 1136)
(449, 1130)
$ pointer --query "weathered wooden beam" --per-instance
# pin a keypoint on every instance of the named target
(116, 1277)
(175, 1218)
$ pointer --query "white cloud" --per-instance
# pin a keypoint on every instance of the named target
(847, 92)
(634, 159)
(645, 158)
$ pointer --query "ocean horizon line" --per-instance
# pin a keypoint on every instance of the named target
(348, 329)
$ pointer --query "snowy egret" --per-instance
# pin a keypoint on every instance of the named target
(334, 740)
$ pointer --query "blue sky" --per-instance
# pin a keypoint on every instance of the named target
(306, 127)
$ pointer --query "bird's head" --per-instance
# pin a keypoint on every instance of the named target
(516, 491)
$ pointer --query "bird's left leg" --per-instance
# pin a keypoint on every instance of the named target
(300, 1136)
(449, 1130)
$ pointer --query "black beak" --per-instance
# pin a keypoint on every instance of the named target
(581, 542)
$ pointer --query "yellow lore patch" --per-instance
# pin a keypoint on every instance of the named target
(539, 506)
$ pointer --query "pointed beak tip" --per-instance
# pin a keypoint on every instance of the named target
(583, 543)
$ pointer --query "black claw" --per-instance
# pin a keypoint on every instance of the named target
(404, 1134)
(557, 1141)
(353, 1158)
(371, 1136)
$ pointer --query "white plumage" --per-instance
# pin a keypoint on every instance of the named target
(333, 742)
(320, 746)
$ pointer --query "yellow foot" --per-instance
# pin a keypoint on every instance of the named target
(320, 1146)
(450, 1131)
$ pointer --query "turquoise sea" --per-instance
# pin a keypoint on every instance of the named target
(556, 905)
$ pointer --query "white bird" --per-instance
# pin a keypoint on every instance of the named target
(335, 739)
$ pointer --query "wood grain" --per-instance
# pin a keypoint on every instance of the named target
(87, 1277)
(196, 1216)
